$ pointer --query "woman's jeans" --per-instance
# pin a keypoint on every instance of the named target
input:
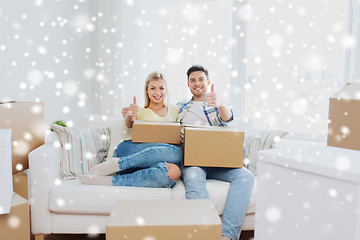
(144, 164)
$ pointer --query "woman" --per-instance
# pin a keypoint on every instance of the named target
(143, 164)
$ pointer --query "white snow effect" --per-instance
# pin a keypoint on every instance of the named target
(89, 155)
(66, 109)
(345, 130)
(38, 3)
(174, 56)
(299, 106)
(35, 77)
(70, 88)
(163, 12)
(23, 85)
(67, 146)
(19, 167)
(348, 42)
(59, 85)
(70, 123)
(14, 222)
(93, 230)
(89, 73)
(50, 75)
(273, 214)
(290, 29)
(343, 163)
(149, 238)
(36, 109)
(129, 2)
(257, 60)
(57, 182)
(193, 14)
(275, 41)
(333, 192)
(301, 10)
(140, 221)
(234, 73)
(42, 50)
(60, 202)
(331, 38)
(246, 13)
(82, 22)
(57, 144)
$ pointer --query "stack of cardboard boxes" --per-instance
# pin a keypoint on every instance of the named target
(344, 118)
(26, 121)
(203, 146)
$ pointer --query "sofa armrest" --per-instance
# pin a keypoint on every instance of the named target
(44, 164)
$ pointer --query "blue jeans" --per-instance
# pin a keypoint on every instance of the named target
(241, 183)
(144, 164)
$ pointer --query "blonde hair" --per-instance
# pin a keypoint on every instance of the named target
(155, 76)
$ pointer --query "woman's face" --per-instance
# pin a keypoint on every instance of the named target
(156, 91)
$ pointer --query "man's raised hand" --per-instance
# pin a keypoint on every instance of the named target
(211, 97)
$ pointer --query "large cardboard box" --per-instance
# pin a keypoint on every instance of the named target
(20, 184)
(16, 224)
(164, 220)
(156, 132)
(344, 118)
(26, 119)
(6, 187)
(213, 147)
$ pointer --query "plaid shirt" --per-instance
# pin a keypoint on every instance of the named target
(212, 114)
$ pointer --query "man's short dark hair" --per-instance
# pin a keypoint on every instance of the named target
(195, 68)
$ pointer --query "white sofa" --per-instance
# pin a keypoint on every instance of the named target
(71, 207)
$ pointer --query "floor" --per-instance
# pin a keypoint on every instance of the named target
(246, 235)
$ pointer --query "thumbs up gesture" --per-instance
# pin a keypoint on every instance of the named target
(133, 110)
(211, 97)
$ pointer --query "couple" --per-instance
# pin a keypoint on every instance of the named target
(144, 164)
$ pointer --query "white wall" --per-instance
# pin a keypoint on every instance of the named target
(47, 54)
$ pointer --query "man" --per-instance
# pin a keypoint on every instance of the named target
(206, 109)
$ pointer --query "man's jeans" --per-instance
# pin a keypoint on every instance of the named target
(241, 183)
(143, 164)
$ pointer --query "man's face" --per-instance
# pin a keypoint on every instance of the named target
(198, 83)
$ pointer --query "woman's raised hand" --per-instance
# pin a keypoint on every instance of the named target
(133, 110)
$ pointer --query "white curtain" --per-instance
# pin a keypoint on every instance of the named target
(354, 53)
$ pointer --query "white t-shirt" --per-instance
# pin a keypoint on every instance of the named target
(195, 115)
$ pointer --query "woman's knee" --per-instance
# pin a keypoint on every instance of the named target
(174, 171)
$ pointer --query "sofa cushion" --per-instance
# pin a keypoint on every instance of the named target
(81, 149)
(76, 198)
(257, 140)
(217, 191)
(119, 131)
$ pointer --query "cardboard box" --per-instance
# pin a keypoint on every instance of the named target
(164, 220)
(16, 224)
(20, 184)
(344, 118)
(213, 147)
(6, 186)
(156, 132)
(26, 119)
